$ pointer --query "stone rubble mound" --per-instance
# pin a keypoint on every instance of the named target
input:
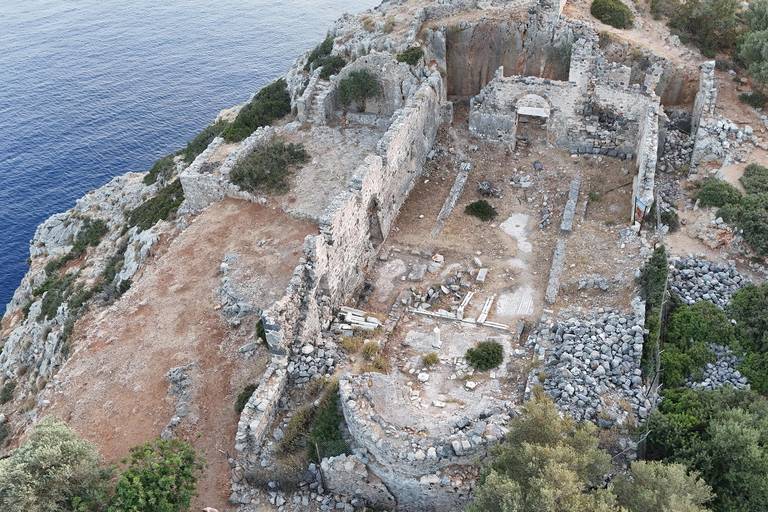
(721, 373)
(694, 280)
(593, 362)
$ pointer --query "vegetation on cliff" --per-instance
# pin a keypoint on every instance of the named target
(270, 103)
(357, 88)
(161, 207)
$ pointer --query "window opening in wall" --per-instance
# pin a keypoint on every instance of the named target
(375, 234)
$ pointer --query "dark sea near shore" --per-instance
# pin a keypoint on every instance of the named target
(93, 89)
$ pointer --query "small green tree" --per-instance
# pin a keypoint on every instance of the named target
(754, 53)
(656, 487)
(613, 13)
(358, 87)
(161, 477)
(709, 24)
(54, 471)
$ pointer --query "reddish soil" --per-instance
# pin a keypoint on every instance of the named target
(114, 389)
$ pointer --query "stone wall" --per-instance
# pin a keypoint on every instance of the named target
(418, 470)
(204, 186)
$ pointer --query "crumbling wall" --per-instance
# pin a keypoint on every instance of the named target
(418, 470)
(203, 186)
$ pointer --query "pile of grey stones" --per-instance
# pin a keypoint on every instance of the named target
(312, 361)
(721, 373)
(694, 280)
(593, 355)
(676, 153)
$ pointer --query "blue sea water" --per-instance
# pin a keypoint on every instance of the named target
(90, 89)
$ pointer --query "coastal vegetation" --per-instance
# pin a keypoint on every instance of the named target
(161, 207)
(270, 103)
(269, 167)
(54, 470)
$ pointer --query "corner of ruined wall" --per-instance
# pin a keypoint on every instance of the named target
(202, 189)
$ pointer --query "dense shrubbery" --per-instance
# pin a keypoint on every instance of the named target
(357, 88)
(161, 207)
(749, 308)
(716, 192)
(202, 140)
(270, 103)
(161, 477)
(723, 435)
(548, 463)
(269, 167)
(243, 397)
(326, 435)
(487, 355)
(162, 169)
(613, 13)
(689, 330)
(755, 179)
(652, 282)
(90, 234)
(297, 430)
(320, 52)
(481, 209)
(709, 24)
(754, 99)
(331, 66)
(411, 55)
(54, 471)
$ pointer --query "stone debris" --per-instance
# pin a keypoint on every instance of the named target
(721, 373)
(694, 280)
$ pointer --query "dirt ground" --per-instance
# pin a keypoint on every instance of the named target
(114, 391)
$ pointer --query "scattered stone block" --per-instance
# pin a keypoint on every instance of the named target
(481, 275)
(417, 272)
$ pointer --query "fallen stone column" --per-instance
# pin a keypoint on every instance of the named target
(554, 274)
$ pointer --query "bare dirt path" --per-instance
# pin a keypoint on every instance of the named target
(114, 390)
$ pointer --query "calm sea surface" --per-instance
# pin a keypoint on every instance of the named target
(90, 89)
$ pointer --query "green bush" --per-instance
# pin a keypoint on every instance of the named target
(161, 477)
(430, 359)
(163, 168)
(709, 24)
(268, 167)
(270, 103)
(613, 13)
(161, 207)
(202, 140)
(370, 349)
(411, 55)
(752, 218)
(331, 66)
(487, 355)
(243, 397)
(54, 471)
(326, 434)
(664, 8)
(754, 99)
(320, 52)
(481, 209)
(357, 88)
(298, 430)
(722, 434)
(652, 282)
(755, 179)
(6, 395)
(716, 192)
(749, 307)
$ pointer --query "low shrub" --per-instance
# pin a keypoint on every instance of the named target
(411, 55)
(604, 39)
(755, 179)
(298, 430)
(754, 99)
(379, 365)
(162, 169)
(286, 475)
(326, 435)
(6, 395)
(430, 359)
(161, 207)
(202, 140)
(243, 397)
(716, 192)
(487, 355)
(320, 52)
(613, 13)
(5, 432)
(270, 103)
(268, 167)
(481, 209)
(370, 349)
(664, 8)
(352, 343)
(331, 66)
